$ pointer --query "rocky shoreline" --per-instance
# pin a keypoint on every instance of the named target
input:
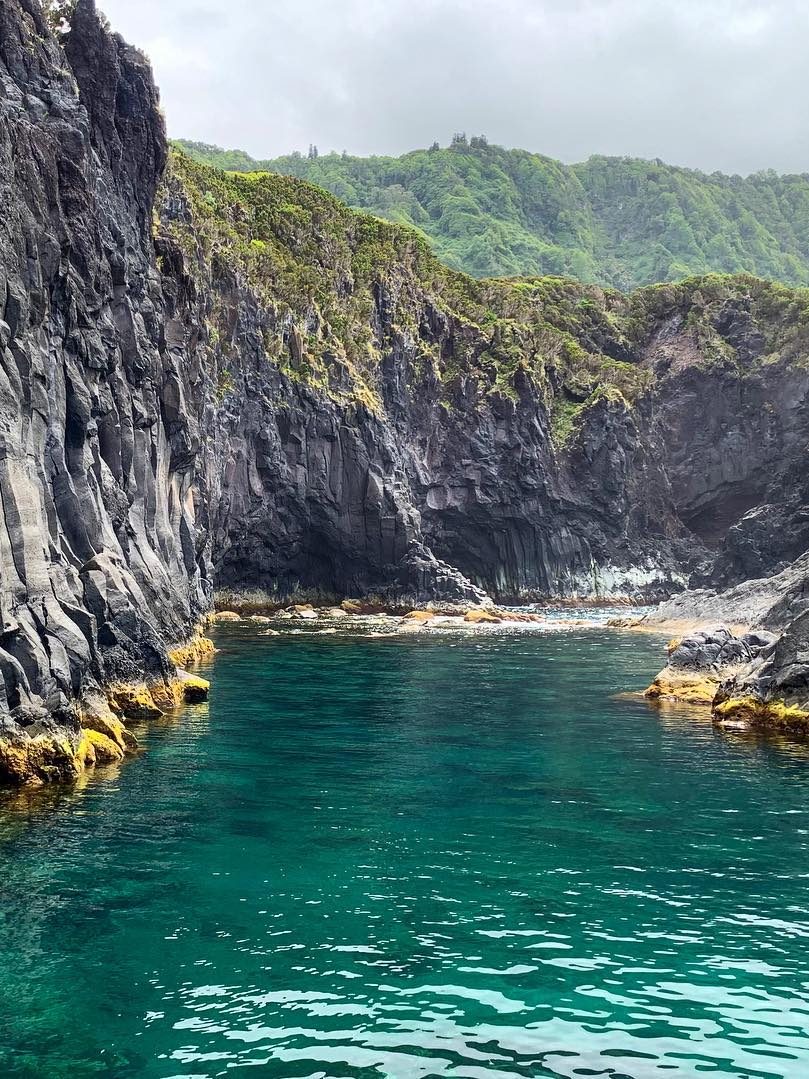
(753, 670)
(360, 615)
(100, 732)
(208, 382)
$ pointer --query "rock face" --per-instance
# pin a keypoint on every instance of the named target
(757, 678)
(700, 662)
(240, 383)
(98, 564)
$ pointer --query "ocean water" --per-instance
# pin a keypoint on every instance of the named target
(436, 855)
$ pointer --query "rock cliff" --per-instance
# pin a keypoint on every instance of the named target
(236, 382)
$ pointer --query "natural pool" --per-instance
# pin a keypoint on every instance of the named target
(432, 855)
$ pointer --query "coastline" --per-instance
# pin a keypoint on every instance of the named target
(99, 733)
(102, 733)
(98, 728)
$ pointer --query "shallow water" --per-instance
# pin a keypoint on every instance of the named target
(428, 856)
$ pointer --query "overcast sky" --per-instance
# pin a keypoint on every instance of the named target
(715, 84)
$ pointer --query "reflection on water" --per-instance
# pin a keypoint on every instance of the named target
(415, 857)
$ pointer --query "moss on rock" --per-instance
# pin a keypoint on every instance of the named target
(775, 714)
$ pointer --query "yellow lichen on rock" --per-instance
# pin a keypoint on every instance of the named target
(105, 750)
(776, 713)
(420, 616)
(43, 759)
(480, 616)
(193, 652)
(95, 714)
(226, 616)
(86, 754)
(194, 689)
(151, 701)
(690, 687)
(168, 695)
(133, 701)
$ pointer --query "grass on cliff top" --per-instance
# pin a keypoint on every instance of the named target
(350, 283)
(343, 277)
(615, 221)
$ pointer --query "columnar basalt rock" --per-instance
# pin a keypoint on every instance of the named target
(242, 383)
(96, 571)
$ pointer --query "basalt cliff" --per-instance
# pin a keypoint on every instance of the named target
(213, 381)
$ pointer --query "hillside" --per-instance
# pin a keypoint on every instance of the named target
(237, 383)
(612, 221)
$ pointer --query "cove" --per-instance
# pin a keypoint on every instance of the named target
(443, 855)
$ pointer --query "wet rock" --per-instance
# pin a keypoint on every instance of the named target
(479, 616)
(700, 662)
(773, 690)
(134, 701)
(194, 689)
(307, 614)
(104, 749)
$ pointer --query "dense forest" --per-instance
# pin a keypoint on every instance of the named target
(611, 220)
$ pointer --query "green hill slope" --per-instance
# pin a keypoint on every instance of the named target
(613, 221)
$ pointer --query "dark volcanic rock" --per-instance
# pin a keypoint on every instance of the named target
(700, 661)
(773, 691)
(159, 432)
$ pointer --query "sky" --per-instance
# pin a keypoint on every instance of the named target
(711, 84)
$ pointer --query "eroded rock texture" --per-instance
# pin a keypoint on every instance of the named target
(160, 431)
(98, 568)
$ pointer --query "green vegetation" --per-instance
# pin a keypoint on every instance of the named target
(613, 221)
(341, 290)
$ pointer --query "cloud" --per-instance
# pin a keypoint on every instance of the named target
(715, 84)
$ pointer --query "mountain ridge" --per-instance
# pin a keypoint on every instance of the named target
(616, 221)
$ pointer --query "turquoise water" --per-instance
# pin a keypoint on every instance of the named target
(415, 857)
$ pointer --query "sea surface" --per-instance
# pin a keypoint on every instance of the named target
(422, 855)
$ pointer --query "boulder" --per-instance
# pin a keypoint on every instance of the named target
(479, 616)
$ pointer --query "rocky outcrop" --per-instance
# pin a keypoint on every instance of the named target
(210, 381)
(700, 662)
(758, 677)
(773, 690)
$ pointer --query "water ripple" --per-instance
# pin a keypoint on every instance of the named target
(407, 858)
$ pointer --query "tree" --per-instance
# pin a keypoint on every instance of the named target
(434, 147)
(459, 141)
(478, 142)
(312, 152)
